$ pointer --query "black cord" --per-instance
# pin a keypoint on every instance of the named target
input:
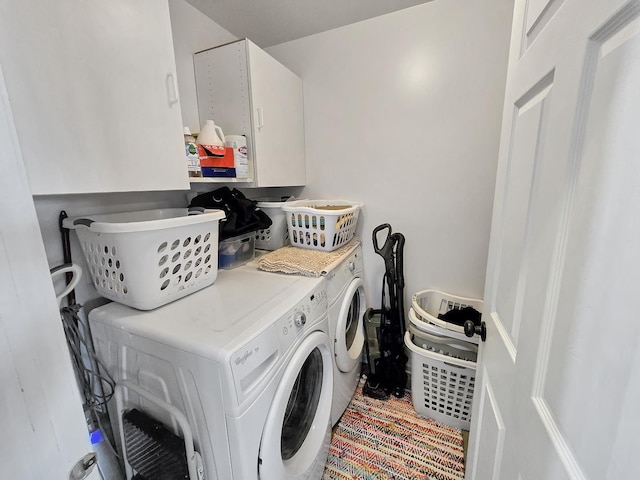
(97, 386)
(94, 376)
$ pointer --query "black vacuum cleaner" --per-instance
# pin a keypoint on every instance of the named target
(388, 371)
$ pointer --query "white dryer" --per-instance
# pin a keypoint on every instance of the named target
(347, 303)
(247, 361)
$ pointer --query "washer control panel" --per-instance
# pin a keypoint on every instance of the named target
(302, 317)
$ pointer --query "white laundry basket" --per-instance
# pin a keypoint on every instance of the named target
(321, 224)
(277, 235)
(148, 258)
(428, 304)
(433, 329)
(443, 375)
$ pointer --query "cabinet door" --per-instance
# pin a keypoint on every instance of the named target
(222, 89)
(248, 92)
(278, 121)
(93, 91)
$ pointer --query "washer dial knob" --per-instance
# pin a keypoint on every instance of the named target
(299, 319)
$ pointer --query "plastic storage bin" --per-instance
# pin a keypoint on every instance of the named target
(443, 375)
(277, 235)
(321, 224)
(149, 258)
(236, 251)
(428, 304)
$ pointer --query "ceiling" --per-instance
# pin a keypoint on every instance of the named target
(270, 22)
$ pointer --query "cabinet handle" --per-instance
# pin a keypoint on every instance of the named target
(260, 118)
(172, 89)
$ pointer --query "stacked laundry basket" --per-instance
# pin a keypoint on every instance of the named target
(443, 360)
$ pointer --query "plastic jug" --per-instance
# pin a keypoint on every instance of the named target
(211, 134)
(239, 145)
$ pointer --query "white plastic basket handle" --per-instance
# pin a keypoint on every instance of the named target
(435, 328)
(67, 268)
(82, 222)
(451, 342)
(309, 206)
(142, 221)
(452, 361)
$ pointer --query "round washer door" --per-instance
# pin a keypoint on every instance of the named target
(350, 327)
(296, 436)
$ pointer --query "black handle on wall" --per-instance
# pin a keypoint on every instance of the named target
(66, 253)
(471, 329)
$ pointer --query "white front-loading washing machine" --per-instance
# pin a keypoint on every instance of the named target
(246, 360)
(347, 303)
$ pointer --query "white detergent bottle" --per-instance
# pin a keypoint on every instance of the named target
(211, 138)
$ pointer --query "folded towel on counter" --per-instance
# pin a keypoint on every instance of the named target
(302, 261)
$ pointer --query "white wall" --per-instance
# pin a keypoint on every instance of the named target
(403, 112)
(192, 32)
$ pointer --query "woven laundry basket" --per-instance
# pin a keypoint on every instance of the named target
(321, 224)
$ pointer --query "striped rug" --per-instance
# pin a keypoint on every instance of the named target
(384, 440)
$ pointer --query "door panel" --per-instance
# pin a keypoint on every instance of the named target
(528, 128)
(597, 282)
(564, 263)
(539, 14)
(491, 426)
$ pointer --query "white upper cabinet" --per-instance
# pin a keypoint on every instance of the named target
(93, 91)
(247, 92)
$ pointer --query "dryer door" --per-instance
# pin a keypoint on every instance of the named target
(350, 327)
(297, 433)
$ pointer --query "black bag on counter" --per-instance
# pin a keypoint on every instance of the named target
(242, 214)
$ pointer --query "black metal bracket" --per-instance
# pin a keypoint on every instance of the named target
(66, 252)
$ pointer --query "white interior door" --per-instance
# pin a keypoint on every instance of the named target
(559, 374)
(43, 428)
